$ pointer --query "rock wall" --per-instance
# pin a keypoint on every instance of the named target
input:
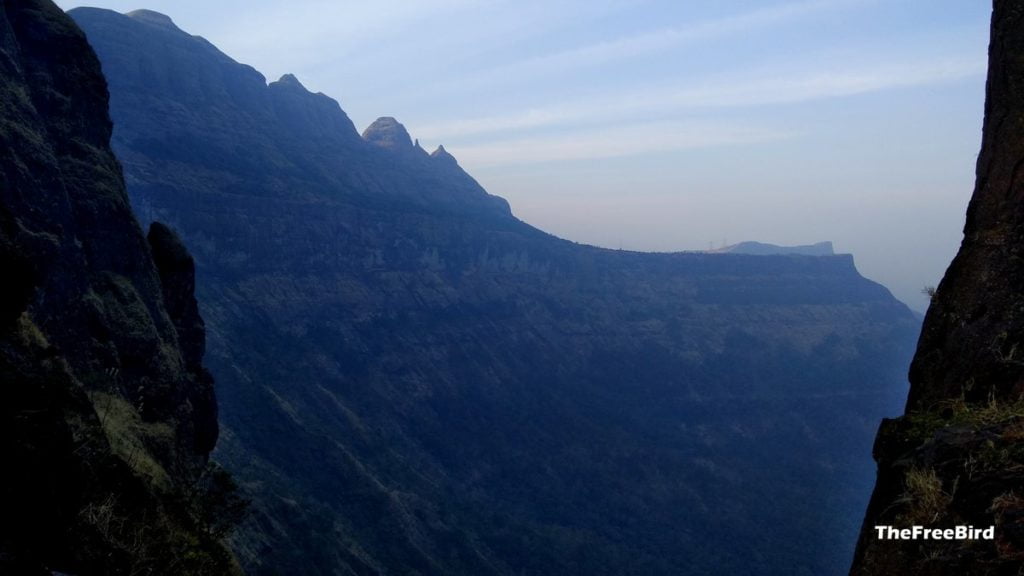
(956, 456)
(107, 415)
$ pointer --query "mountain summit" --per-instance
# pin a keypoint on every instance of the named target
(388, 133)
(443, 155)
(291, 80)
(153, 18)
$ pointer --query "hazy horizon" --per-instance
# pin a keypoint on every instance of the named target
(656, 126)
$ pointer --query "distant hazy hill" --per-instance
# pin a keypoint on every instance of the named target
(413, 381)
(761, 249)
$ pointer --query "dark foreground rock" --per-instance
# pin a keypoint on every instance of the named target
(107, 415)
(957, 457)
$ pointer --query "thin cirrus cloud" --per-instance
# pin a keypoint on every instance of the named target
(616, 141)
(656, 41)
(341, 41)
(723, 93)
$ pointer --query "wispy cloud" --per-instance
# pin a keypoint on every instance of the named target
(672, 37)
(615, 141)
(735, 92)
(653, 42)
(286, 36)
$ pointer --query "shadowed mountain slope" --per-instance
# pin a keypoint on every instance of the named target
(107, 415)
(413, 381)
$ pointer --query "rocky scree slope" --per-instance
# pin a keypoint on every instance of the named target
(413, 381)
(107, 416)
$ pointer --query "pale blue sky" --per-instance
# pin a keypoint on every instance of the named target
(663, 125)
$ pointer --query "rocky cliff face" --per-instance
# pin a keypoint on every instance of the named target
(107, 415)
(413, 381)
(955, 457)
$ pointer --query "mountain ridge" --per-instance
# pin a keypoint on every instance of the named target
(415, 381)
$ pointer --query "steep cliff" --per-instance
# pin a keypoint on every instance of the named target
(956, 456)
(107, 416)
(413, 381)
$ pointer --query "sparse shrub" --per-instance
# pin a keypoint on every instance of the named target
(217, 501)
(926, 500)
